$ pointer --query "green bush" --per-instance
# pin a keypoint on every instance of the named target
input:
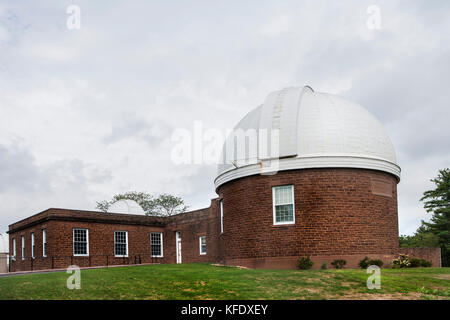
(405, 262)
(339, 263)
(323, 266)
(376, 262)
(305, 263)
(364, 263)
(417, 262)
(426, 263)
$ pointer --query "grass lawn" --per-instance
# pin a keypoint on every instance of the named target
(204, 281)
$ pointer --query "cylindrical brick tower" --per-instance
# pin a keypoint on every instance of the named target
(308, 174)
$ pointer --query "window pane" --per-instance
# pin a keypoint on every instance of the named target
(79, 241)
(155, 244)
(120, 249)
(221, 216)
(44, 242)
(120, 243)
(283, 195)
(202, 244)
(284, 213)
(32, 245)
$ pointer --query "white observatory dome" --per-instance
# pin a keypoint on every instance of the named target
(126, 206)
(315, 130)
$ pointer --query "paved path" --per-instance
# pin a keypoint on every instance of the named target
(19, 273)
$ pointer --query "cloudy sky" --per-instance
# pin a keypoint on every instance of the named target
(87, 113)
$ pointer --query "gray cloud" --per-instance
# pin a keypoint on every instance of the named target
(133, 128)
(96, 106)
(18, 171)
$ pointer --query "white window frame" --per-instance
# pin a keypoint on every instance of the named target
(126, 243)
(23, 247)
(162, 247)
(33, 246)
(14, 248)
(221, 216)
(274, 205)
(44, 243)
(87, 243)
(200, 241)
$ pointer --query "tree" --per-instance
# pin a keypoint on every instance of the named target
(163, 205)
(438, 202)
(421, 238)
(168, 205)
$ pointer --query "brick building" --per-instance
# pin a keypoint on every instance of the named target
(321, 183)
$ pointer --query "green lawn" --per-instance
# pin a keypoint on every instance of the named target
(204, 281)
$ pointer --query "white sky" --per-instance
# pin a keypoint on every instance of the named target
(86, 114)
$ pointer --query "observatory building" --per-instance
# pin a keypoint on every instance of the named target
(334, 194)
(328, 191)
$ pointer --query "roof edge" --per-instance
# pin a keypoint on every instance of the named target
(312, 162)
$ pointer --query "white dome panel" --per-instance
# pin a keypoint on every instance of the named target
(315, 130)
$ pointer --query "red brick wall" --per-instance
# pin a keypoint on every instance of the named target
(339, 213)
(101, 245)
(192, 225)
(430, 254)
(336, 215)
(60, 223)
(39, 263)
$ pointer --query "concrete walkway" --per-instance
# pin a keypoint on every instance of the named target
(19, 273)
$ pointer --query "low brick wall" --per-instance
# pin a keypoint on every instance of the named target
(428, 253)
(3, 262)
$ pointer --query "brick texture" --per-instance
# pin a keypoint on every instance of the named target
(430, 254)
(336, 214)
(59, 224)
(339, 214)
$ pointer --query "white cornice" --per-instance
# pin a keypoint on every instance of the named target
(312, 162)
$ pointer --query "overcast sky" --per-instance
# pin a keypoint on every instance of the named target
(87, 113)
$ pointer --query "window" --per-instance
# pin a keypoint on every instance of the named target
(121, 243)
(283, 205)
(14, 248)
(80, 242)
(32, 245)
(202, 245)
(23, 247)
(44, 242)
(221, 216)
(156, 247)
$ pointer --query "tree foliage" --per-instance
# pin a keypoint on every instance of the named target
(421, 238)
(168, 205)
(162, 205)
(437, 201)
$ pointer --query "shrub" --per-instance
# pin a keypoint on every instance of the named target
(417, 262)
(364, 263)
(339, 263)
(405, 262)
(376, 262)
(305, 263)
(401, 262)
(323, 266)
(426, 263)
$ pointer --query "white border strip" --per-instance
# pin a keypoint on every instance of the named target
(313, 162)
